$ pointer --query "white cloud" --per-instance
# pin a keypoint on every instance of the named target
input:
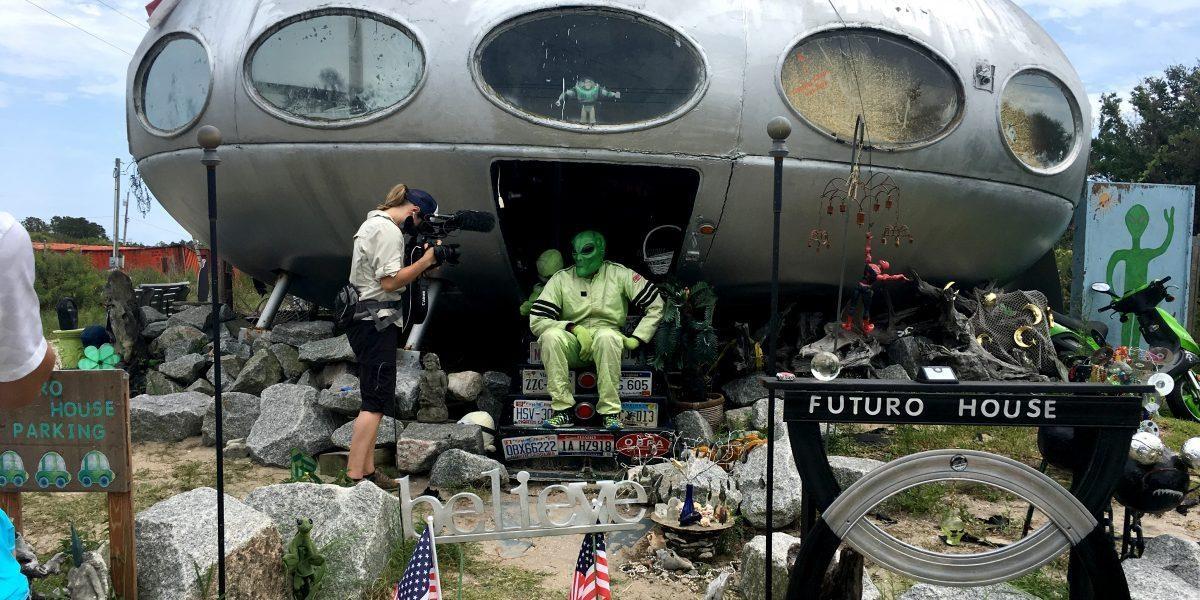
(1074, 9)
(39, 51)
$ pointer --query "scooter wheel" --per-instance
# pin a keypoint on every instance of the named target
(1180, 407)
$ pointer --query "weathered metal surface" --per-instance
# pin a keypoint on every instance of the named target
(292, 195)
(1132, 233)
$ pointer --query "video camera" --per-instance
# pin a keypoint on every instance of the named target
(435, 228)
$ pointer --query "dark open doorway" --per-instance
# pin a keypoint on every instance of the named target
(543, 204)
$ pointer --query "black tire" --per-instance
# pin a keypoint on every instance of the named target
(1179, 409)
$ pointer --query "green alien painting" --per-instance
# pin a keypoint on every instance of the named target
(1136, 260)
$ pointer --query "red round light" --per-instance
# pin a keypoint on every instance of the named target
(587, 380)
(584, 411)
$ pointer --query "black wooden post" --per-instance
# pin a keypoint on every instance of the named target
(779, 129)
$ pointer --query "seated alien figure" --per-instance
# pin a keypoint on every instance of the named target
(548, 263)
(578, 320)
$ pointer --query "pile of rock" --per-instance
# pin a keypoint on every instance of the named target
(292, 387)
(177, 547)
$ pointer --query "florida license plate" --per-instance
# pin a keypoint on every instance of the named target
(530, 413)
(533, 446)
(635, 384)
(585, 445)
(639, 414)
(533, 381)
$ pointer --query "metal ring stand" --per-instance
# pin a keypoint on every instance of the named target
(1076, 515)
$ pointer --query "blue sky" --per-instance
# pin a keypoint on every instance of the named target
(62, 92)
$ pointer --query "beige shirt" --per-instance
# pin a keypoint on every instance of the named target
(378, 253)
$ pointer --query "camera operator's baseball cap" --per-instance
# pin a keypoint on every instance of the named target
(423, 200)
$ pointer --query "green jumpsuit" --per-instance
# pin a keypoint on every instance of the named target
(599, 303)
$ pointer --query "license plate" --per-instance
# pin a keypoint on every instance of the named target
(585, 445)
(533, 446)
(533, 381)
(530, 413)
(535, 353)
(635, 384)
(639, 414)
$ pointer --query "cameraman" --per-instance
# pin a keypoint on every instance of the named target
(26, 360)
(377, 271)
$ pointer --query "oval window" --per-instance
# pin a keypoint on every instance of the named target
(590, 68)
(175, 85)
(906, 94)
(335, 66)
(1038, 120)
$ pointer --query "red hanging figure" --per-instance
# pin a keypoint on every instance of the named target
(864, 292)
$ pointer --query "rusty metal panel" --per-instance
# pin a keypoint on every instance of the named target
(1134, 233)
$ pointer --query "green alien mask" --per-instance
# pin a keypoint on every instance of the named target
(588, 251)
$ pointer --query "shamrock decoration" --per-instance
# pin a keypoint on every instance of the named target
(101, 358)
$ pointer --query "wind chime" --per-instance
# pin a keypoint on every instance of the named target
(877, 194)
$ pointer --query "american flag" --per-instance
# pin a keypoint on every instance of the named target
(421, 581)
(591, 571)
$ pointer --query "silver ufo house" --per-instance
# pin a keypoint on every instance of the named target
(632, 117)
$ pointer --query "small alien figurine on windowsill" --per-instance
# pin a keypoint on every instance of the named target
(587, 92)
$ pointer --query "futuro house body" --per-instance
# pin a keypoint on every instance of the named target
(624, 116)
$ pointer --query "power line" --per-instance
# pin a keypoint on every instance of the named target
(43, 9)
(122, 13)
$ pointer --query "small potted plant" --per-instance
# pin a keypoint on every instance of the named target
(686, 344)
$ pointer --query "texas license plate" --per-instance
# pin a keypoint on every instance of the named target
(533, 446)
(570, 444)
(533, 381)
(634, 384)
(639, 414)
(530, 413)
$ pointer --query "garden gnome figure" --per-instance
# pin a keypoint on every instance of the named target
(433, 391)
(89, 581)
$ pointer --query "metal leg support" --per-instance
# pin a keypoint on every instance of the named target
(277, 295)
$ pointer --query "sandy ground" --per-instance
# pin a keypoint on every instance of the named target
(162, 470)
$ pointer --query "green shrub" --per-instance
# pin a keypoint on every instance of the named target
(58, 275)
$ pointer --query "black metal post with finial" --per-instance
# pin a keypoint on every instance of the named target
(209, 138)
(779, 129)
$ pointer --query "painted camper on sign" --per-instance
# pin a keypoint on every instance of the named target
(12, 469)
(52, 470)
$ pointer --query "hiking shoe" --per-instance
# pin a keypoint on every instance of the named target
(559, 420)
(612, 422)
(383, 481)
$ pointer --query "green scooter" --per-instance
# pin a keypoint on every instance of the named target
(1161, 330)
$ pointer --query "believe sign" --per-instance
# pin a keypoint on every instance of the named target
(560, 509)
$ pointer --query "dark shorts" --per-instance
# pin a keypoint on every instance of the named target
(376, 354)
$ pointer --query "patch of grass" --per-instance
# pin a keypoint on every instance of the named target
(1177, 431)
(191, 474)
(482, 579)
(1048, 582)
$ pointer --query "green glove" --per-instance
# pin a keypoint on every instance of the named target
(632, 343)
(585, 337)
(526, 306)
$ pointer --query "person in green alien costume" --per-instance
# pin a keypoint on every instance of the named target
(578, 319)
(548, 263)
(588, 93)
(1137, 261)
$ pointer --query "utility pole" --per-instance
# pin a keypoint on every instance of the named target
(114, 262)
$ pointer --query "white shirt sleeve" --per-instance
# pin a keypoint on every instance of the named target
(22, 346)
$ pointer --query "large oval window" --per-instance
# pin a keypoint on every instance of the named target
(906, 95)
(175, 84)
(334, 66)
(1038, 120)
(590, 68)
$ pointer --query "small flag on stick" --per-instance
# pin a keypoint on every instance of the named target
(421, 579)
(590, 581)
